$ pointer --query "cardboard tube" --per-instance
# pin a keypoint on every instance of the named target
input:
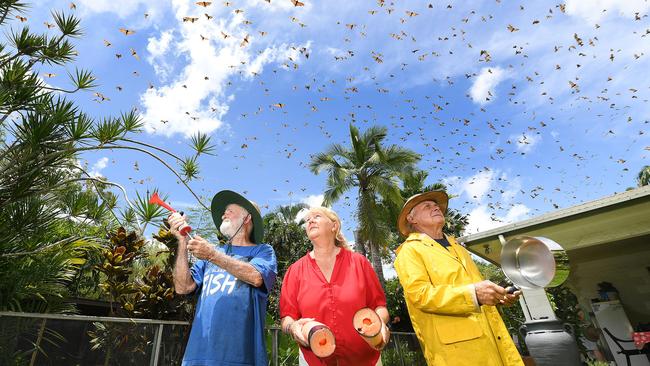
(368, 324)
(320, 338)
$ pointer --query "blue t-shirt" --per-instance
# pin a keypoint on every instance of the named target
(228, 326)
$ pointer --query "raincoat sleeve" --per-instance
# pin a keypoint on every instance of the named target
(427, 296)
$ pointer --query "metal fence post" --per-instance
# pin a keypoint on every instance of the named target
(274, 346)
(399, 350)
(157, 339)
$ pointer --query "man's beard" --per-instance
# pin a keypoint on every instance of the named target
(230, 227)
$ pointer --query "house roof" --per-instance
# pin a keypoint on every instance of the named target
(621, 217)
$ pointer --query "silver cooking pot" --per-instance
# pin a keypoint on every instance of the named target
(534, 262)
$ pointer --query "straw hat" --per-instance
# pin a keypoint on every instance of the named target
(224, 198)
(439, 197)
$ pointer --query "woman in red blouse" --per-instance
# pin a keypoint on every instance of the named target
(329, 284)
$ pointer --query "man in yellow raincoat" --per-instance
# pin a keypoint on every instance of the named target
(451, 307)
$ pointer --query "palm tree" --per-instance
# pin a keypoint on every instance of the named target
(643, 179)
(374, 170)
(52, 210)
(290, 242)
(289, 213)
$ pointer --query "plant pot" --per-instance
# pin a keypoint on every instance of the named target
(551, 343)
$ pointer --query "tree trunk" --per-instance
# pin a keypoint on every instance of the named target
(375, 259)
(358, 243)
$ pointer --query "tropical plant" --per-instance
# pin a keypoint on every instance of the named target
(374, 170)
(643, 178)
(287, 349)
(566, 308)
(396, 305)
(289, 213)
(148, 296)
(288, 239)
(53, 210)
(597, 363)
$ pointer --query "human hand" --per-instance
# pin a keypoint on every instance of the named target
(176, 221)
(385, 337)
(296, 331)
(511, 298)
(201, 248)
(489, 293)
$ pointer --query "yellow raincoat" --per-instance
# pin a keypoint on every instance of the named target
(452, 330)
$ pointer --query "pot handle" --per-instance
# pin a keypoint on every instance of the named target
(523, 331)
(569, 328)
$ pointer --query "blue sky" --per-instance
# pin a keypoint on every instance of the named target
(519, 107)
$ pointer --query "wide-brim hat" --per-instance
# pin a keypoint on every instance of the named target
(439, 197)
(224, 198)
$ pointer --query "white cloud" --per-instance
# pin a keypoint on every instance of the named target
(122, 8)
(279, 53)
(480, 219)
(196, 100)
(595, 10)
(516, 213)
(311, 201)
(157, 49)
(314, 200)
(482, 90)
(97, 168)
(526, 142)
(454, 185)
(478, 185)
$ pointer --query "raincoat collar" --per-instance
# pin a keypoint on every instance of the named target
(427, 240)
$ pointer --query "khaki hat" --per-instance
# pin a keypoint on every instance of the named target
(439, 197)
(222, 199)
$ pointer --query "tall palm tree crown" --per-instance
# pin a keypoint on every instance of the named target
(643, 178)
(374, 170)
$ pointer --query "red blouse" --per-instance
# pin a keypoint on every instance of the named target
(354, 285)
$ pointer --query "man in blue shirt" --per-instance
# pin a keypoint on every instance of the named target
(233, 284)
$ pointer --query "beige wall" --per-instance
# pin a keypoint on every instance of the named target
(625, 264)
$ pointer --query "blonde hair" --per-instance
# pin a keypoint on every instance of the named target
(339, 239)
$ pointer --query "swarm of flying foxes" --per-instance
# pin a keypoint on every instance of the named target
(504, 90)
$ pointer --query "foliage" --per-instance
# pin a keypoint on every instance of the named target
(597, 363)
(566, 308)
(287, 347)
(374, 170)
(42, 192)
(202, 224)
(148, 296)
(290, 243)
(151, 296)
(643, 178)
(396, 304)
(391, 357)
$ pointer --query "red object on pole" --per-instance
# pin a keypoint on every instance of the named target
(155, 200)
